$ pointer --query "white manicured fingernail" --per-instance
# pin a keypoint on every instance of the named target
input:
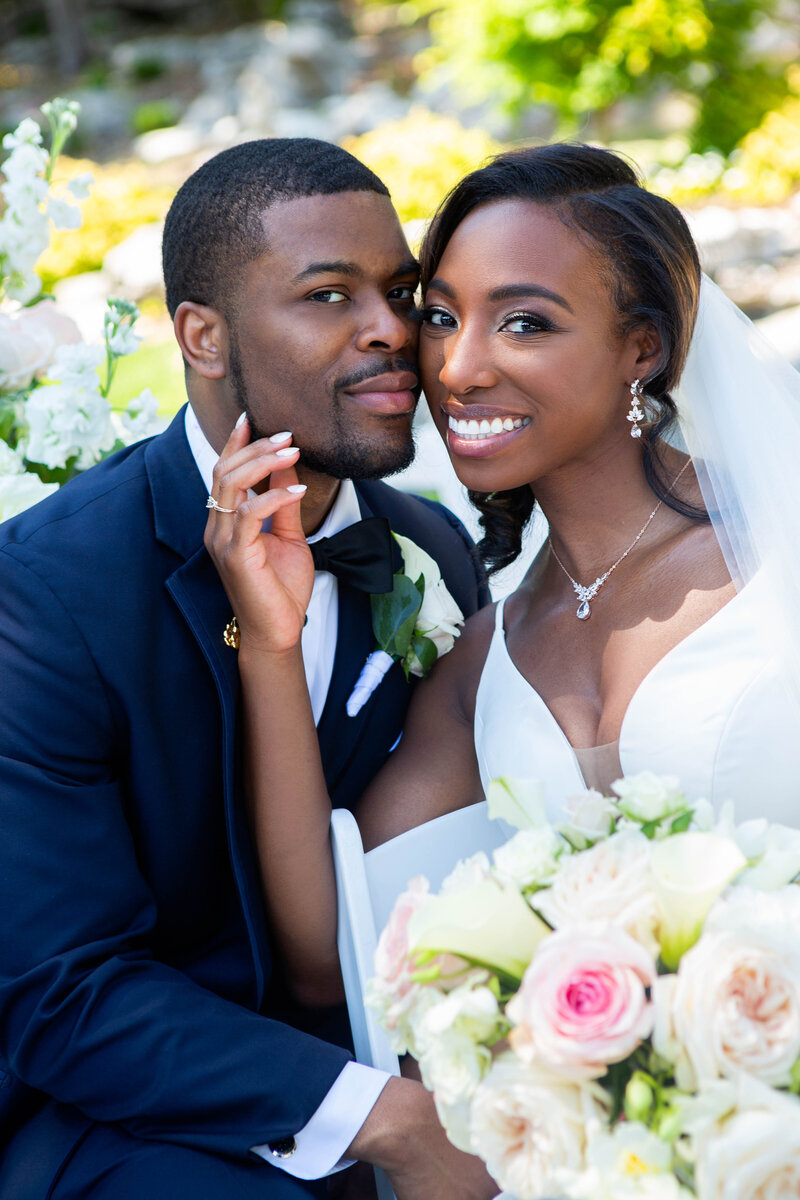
(280, 437)
(240, 420)
(296, 488)
(286, 452)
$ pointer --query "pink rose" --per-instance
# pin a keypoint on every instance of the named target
(392, 993)
(583, 1001)
(28, 341)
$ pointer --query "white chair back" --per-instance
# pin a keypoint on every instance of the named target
(367, 887)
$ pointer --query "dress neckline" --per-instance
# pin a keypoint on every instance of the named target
(657, 667)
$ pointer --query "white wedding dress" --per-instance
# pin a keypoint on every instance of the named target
(717, 711)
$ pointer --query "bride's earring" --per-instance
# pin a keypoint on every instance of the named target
(636, 412)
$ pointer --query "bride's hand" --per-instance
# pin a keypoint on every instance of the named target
(268, 576)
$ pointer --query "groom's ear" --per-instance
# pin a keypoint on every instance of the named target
(202, 334)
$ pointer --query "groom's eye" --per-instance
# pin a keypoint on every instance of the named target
(329, 296)
(404, 292)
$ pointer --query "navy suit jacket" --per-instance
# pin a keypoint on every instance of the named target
(134, 955)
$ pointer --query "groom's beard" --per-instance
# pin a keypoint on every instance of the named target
(348, 453)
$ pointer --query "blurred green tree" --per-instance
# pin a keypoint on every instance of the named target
(582, 56)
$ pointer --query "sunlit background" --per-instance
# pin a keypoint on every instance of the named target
(703, 94)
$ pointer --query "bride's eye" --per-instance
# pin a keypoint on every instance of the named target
(525, 322)
(328, 296)
(439, 318)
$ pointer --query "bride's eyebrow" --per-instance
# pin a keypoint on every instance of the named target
(519, 291)
(511, 291)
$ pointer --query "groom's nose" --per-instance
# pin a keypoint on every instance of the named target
(384, 328)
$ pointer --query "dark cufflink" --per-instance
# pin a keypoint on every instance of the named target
(283, 1147)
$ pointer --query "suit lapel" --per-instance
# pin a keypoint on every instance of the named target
(178, 495)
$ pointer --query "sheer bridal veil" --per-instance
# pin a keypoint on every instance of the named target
(739, 413)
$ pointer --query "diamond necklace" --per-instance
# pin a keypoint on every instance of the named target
(585, 594)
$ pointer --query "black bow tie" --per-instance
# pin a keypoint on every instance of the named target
(360, 555)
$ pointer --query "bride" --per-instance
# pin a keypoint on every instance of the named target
(654, 628)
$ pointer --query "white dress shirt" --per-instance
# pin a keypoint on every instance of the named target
(321, 1143)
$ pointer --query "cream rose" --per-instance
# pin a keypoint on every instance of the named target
(591, 817)
(649, 797)
(530, 857)
(530, 1128)
(609, 882)
(754, 1154)
(733, 1006)
(583, 1001)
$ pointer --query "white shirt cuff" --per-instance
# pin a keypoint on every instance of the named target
(322, 1142)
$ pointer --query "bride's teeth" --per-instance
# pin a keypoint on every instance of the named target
(485, 428)
(473, 428)
(497, 425)
(508, 423)
(517, 422)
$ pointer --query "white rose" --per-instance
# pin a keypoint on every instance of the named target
(439, 617)
(530, 1127)
(610, 882)
(772, 853)
(649, 797)
(466, 873)
(18, 492)
(452, 1065)
(734, 1006)
(754, 1154)
(530, 857)
(23, 352)
(591, 817)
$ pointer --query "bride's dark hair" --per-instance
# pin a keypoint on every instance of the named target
(653, 275)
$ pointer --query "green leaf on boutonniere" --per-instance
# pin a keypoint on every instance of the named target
(426, 652)
(394, 614)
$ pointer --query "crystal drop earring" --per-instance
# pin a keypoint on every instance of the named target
(636, 412)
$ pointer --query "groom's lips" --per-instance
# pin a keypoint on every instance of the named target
(393, 393)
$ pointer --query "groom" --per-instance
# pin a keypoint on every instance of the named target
(139, 1051)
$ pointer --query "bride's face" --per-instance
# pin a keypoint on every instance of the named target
(521, 357)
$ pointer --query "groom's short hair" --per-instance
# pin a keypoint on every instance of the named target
(214, 225)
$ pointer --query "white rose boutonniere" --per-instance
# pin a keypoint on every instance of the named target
(414, 624)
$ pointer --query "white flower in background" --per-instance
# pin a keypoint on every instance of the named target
(77, 363)
(28, 341)
(734, 1005)
(530, 1128)
(530, 858)
(649, 797)
(18, 492)
(11, 462)
(63, 213)
(591, 817)
(140, 418)
(611, 881)
(755, 1153)
(26, 133)
(68, 420)
(439, 617)
(124, 340)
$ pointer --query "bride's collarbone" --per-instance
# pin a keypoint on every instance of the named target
(587, 671)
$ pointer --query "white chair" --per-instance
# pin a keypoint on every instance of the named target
(367, 887)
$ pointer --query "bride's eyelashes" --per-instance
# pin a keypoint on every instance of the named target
(522, 323)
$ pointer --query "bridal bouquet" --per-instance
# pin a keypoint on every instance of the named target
(610, 1010)
(55, 415)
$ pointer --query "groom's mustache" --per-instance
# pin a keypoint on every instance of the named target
(371, 370)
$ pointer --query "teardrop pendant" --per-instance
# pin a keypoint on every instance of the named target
(584, 611)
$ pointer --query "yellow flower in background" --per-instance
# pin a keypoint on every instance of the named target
(421, 157)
